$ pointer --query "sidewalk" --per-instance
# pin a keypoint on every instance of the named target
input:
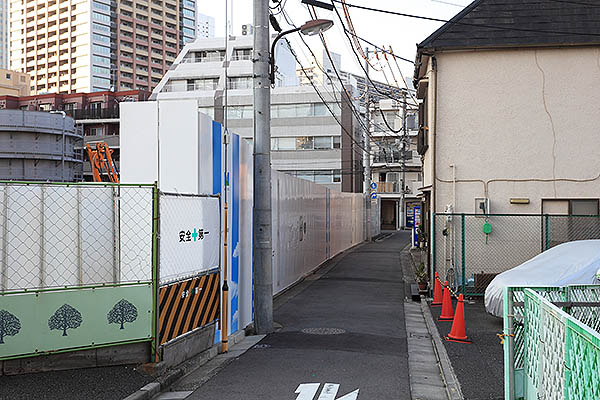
(345, 328)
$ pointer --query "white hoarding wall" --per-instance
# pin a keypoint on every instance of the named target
(190, 236)
(311, 224)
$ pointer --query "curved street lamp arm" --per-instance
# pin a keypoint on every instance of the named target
(272, 55)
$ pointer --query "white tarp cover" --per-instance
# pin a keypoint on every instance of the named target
(571, 263)
(189, 236)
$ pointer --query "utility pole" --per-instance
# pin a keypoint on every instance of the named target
(403, 155)
(366, 153)
(262, 244)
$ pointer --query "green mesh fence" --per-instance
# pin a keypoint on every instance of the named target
(550, 332)
(469, 258)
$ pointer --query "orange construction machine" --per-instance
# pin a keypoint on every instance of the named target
(101, 160)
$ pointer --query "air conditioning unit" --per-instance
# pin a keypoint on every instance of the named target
(247, 29)
(482, 205)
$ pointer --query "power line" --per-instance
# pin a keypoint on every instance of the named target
(506, 28)
(379, 48)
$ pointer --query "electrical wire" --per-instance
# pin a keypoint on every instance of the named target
(499, 27)
(324, 102)
(358, 58)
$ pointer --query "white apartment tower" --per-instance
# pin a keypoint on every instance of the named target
(4, 34)
(205, 26)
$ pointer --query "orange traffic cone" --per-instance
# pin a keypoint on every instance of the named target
(457, 333)
(447, 311)
(437, 291)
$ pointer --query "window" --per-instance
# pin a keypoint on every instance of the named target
(210, 111)
(242, 54)
(188, 13)
(100, 70)
(240, 82)
(240, 112)
(45, 107)
(7, 76)
(100, 49)
(570, 207)
(101, 6)
(100, 81)
(95, 131)
(202, 84)
(337, 142)
(70, 106)
(323, 142)
(189, 31)
(304, 143)
(286, 143)
(100, 17)
(101, 38)
(204, 56)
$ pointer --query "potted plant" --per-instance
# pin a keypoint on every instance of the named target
(421, 275)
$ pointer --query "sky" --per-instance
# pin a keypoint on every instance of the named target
(402, 33)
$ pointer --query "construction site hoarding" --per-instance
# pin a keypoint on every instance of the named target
(45, 322)
(190, 235)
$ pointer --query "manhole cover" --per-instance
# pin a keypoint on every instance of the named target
(323, 331)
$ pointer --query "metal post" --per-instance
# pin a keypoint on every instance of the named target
(262, 244)
(4, 280)
(155, 272)
(79, 241)
(509, 345)
(366, 155)
(463, 248)
(403, 156)
(546, 232)
(116, 197)
(42, 236)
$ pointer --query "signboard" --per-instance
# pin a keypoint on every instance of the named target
(38, 322)
(190, 230)
(187, 305)
(417, 222)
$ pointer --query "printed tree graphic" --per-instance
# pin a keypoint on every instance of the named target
(9, 325)
(66, 317)
(122, 312)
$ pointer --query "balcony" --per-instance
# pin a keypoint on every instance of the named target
(98, 113)
(412, 187)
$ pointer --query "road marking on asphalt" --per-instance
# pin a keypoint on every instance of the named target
(307, 391)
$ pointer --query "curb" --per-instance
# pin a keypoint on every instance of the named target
(448, 376)
(163, 382)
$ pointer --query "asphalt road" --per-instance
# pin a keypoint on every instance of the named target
(85, 384)
(346, 328)
(479, 366)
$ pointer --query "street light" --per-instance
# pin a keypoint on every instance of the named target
(311, 28)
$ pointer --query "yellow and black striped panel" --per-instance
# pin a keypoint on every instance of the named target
(187, 305)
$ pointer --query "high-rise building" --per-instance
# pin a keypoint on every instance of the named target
(97, 45)
(205, 27)
(3, 33)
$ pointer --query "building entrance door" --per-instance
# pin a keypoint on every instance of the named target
(389, 215)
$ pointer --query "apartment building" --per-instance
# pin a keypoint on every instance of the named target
(392, 154)
(3, 33)
(205, 27)
(97, 45)
(95, 114)
(14, 83)
(306, 139)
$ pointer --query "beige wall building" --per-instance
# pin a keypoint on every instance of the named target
(13, 83)
(96, 45)
(509, 121)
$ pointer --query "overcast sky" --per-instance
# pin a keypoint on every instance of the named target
(402, 33)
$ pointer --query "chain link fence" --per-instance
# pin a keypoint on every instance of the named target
(73, 235)
(470, 250)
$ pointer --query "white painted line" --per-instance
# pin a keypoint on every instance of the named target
(307, 391)
(350, 396)
(329, 391)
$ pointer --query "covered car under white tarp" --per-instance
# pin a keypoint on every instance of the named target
(571, 263)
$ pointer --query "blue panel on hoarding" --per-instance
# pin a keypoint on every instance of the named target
(235, 232)
(217, 140)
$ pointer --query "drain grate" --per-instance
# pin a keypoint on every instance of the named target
(323, 331)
